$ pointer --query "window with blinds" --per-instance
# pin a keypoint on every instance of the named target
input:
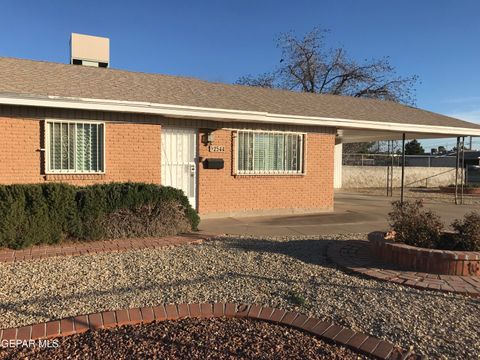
(75, 147)
(269, 152)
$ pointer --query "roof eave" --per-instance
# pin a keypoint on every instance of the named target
(214, 114)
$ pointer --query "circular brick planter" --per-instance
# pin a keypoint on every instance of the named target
(443, 262)
(356, 256)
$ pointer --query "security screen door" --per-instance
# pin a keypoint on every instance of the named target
(179, 160)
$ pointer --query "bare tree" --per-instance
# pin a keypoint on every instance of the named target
(358, 148)
(395, 146)
(307, 65)
(265, 80)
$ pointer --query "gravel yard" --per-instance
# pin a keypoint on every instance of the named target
(291, 273)
(190, 339)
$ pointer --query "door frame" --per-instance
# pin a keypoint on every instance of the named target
(195, 159)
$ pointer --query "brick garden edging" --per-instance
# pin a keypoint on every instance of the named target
(356, 256)
(445, 262)
(325, 330)
(95, 247)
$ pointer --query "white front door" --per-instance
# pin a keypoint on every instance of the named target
(179, 161)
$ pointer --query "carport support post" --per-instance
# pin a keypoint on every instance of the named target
(463, 170)
(388, 168)
(403, 168)
(456, 170)
(392, 159)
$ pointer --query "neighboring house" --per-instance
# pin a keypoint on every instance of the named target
(232, 149)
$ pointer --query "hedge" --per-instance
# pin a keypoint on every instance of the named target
(413, 225)
(52, 213)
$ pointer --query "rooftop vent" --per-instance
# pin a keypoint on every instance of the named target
(89, 50)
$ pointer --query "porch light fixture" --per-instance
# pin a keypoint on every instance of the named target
(208, 137)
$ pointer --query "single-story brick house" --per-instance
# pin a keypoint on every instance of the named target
(232, 149)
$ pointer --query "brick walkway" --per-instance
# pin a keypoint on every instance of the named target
(325, 330)
(355, 255)
(95, 247)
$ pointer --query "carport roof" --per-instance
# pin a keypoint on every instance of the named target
(39, 83)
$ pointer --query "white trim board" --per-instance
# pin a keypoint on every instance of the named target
(192, 112)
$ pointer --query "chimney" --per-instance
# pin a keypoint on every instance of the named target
(89, 50)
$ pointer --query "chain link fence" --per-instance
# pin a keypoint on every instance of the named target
(396, 160)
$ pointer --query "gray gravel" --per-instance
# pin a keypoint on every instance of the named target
(291, 273)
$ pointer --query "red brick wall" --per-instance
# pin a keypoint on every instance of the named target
(417, 259)
(221, 192)
(132, 153)
(19, 151)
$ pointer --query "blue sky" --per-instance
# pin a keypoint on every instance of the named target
(439, 40)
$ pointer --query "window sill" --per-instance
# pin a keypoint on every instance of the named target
(67, 176)
(270, 175)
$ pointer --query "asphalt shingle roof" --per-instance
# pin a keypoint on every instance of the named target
(27, 77)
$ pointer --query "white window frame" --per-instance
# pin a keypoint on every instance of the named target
(302, 157)
(48, 170)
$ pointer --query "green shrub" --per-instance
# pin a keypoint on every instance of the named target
(166, 218)
(50, 213)
(36, 214)
(91, 208)
(415, 226)
(297, 299)
(99, 201)
(467, 233)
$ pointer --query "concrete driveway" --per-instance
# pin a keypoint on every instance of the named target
(353, 213)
